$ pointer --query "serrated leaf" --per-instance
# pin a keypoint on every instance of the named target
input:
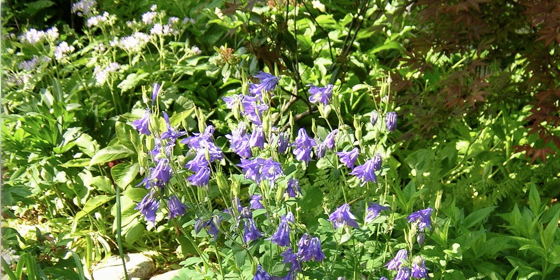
(111, 153)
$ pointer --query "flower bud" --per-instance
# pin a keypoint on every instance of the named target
(420, 238)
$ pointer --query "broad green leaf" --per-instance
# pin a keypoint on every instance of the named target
(534, 200)
(547, 236)
(477, 216)
(124, 173)
(134, 233)
(124, 134)
(91, 205)
(131, 81)
(111, 153)
(78, 162)
(387, 46)
(135, 194)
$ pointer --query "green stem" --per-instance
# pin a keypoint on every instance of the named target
(119, 233)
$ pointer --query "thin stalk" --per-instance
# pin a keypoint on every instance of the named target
(119, 233)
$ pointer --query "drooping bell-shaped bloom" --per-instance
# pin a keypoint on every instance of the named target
(282, 235)
(283, 141)
(253, 109)
(303, 144)
(366, 172)
(201, 177)
(211, 228)
(328, 143)
(255, 202)
(349, 158)
(268, 83)
(155, 91)
(397, 261)
(309, 248)
(290, 257)
(240, 141)
(403, 273)
(148, 207)
(419, 268)
(143, 124)
(198, 139)
(233, 101)
(176, 208)
(391, 121)
(257, 138)
(377, 161)
(251, 231)
(342, 216)
(252, 168)
(261, 274)
(320, 94)
(271, 170)
(373, 211)
(421, 218)
(163, 171)
(292, 188)
(171, 133)
(373, 117)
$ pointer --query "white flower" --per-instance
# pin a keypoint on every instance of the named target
(29, 64)
(196, 50)
(154, 7)
(62, 49)
(318, 5)
(135, 42)
(83, 7)
(148, 18)
(157, 29)
(101, 75)
(52, 34)
(219, 13)
(98, 20)
(99, 48)
(173, 20)
(32, 36)
(46, 59)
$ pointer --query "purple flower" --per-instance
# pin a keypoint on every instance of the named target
(261, 274)
(143, 124)
(252, 168)
(211, 228)
(349, 158)
(253, 109)
(419, 268)
(328, 143)
(395, 263)
(240, 142)
(403, 273)
(251, 231)
(283, 139)
(256, 202)
(377, 161)
(268, 83)
(198, 140)
(383, 278)
(320, 94)
(201, 177)
(233, 101)
(257, 138)
(391, 119)
(421, 218)
(176, 208)
(421, 238)
(342, 216)
(310, 249)
(148, 207)
(282, 235)
(162, 172)
(374, 117)
(366, 172)
(198, 162)
(271, 170)
(155, 91)
(292, 187)
(171, 133)
(303, 144)
(290, 257)
(292, 275)
(373, 211)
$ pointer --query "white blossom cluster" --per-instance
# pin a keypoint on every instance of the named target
(19, 79)
(62, 50)
(189, 20)
(29, 65)
(148, 18)
(101, 75)
(33, 36)
(83, 7)
(101, 20)
(133, 43)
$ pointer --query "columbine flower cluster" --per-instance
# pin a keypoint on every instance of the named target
(206, 153)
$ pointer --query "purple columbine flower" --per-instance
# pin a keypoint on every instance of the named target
(176, 208)
(253, 109)
(373, 211)
(143, 124)
(391, 119)
(366, 172)
(373, 117)
(156, 87)
(320, 94)
(201, 177)
(199, 139)
(291, 275)
(282, 235)
(342, 216)
(283, 141)
(261, 274)
(349, 158)
(271, 170)
(252, 169)
(403, 273)
(377, 161)
(292, 188)
(211, 228)
(383, 278)
(256, 202)
(396, 262)
(290, 257)
(163, 171)
(233, 101)
(328, 143)
(240, 142)
(257, 138)
(171, 133)
(419, 268)
(148, 207)
(310, 249)
(303, 144)
(251, 231)
(268, 83)
(421, 218)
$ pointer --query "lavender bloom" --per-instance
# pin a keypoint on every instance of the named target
(303, 144)
(395, 263)
(143, 124)
(310, 249)
(374, 117)
(293, 187)
(252, 168)
(155, 91)
(391, 119)
(212, 229)
(261, 274)
(253, 109)
(292, 275)
(246, 213)
(198, 162)
(419, 268)
(342, 216)
(268, 83)
(320, 150)
(271, 170)
(383, 278)
(377, 161)
(256, 202)
(257, 138)
(329, 143)
(201, 177)
(421, 218)
(283, 139)
(251, 232)
(366, 172)
(233, 101)
(240, 141)
(176, 208)
(148, 207)
(163, 171)
(320, 94)
(282, 235)
(349, 158)
(373, 211)
(290, 257)
(403, 273)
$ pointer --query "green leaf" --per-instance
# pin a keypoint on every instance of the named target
(111, 153)
(135, 194)
(77, 162)
(124, 173)
(134, 233)
(131, 81)
(125, 134)
(547, 237)
(534, 200)
(91, 205)
(387, 46)
(477, 216)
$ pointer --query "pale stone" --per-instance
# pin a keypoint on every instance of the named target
(137, 265)
(166, 276)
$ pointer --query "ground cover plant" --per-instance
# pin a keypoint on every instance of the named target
(282, 139)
